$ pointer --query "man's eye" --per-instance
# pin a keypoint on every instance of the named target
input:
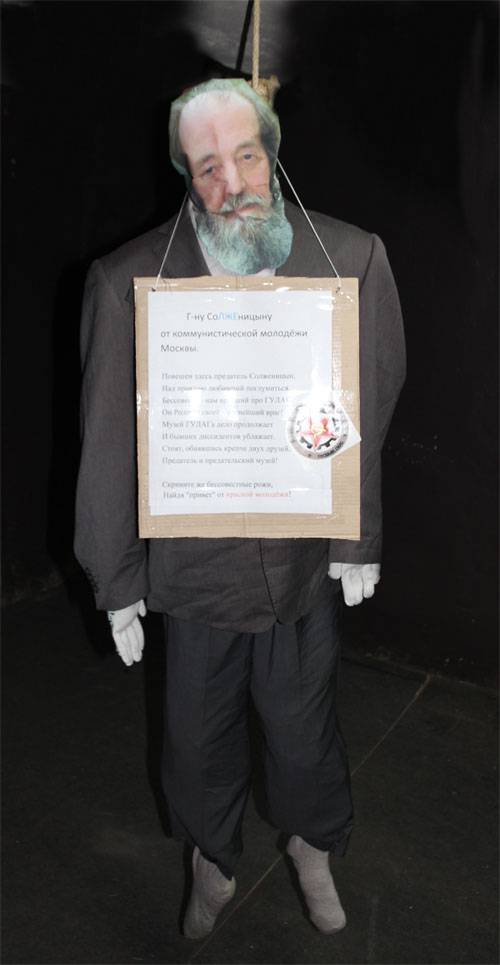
(207, 173)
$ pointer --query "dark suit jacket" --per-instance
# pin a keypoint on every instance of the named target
(243, 584)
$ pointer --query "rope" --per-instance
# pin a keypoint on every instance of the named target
(270, 88)
(255, 44)
(244, 35)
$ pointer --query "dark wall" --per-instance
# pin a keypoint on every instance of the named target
(389, 121)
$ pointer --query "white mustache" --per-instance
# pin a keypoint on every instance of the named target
(240, 201)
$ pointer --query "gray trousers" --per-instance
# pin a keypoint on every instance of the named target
(290, 672)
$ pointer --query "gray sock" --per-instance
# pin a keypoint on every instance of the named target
(210, 892)
(317, 885)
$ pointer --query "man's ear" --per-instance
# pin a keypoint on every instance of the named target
(193, 195)
(276, 192)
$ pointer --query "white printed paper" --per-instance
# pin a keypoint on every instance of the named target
(242, 414)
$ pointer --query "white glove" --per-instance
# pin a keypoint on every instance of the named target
(358, 580)
(127, 631)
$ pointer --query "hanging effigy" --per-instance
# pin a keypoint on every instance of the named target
(247, 381)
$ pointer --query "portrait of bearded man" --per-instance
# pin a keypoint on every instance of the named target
(224, 139)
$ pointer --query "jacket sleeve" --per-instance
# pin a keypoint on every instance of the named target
(382, 374)
(106, 541)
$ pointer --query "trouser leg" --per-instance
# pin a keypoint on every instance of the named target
(206, 763)
(294, 686)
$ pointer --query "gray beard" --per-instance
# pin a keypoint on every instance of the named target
(246, 245)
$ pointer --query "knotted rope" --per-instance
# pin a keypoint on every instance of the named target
(265, 87)
(255, 45)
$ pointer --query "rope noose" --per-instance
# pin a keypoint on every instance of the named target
(268, 86)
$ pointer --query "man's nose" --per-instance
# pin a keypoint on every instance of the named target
(233, 180)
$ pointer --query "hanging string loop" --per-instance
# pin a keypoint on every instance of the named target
(313, 229)
(267, 89)
(170, 240)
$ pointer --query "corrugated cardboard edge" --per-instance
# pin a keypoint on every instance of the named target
(344, 522)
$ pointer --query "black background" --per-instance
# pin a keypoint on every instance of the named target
(389, 121)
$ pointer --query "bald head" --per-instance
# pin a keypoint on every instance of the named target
(229, 88)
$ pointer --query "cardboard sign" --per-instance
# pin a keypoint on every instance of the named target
(248, 407)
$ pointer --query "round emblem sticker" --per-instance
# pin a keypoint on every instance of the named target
(318, 432)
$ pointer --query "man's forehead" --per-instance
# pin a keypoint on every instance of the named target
(211, 112)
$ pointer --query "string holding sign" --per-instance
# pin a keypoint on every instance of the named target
(170, 240)
(266, 89)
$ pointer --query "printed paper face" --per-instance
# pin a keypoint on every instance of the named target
(224, 139)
